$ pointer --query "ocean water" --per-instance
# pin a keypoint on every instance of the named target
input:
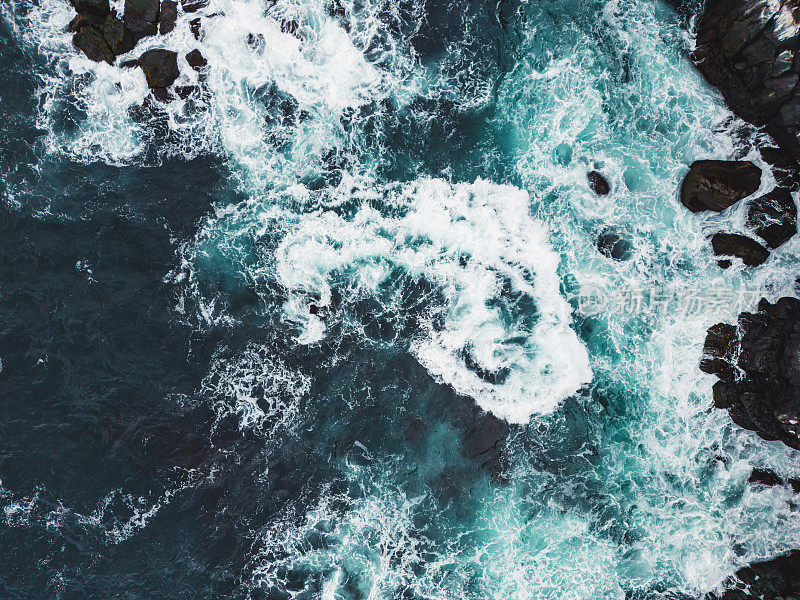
(239, 332)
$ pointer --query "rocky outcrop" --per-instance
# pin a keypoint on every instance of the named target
(141, 17)
(717, 184)
(101, 38)
(747, 50)
(773, 217)
(770, 580)
(758, 364)
(748, 250)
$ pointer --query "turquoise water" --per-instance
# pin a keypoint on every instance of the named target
(419, 178)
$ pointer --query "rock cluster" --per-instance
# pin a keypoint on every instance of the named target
(103, 36)
(716, 185)
(748, 50)
(758, 364)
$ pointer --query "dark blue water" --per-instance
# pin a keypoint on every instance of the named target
(247, 349)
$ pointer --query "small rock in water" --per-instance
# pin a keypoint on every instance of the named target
(196, 60)
(167, 16)
(160, 68)
(733, 244)
(717, 184)
(190, 6)
(773, 217)
(598, 183)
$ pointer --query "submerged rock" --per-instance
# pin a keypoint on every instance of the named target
(598, 183)
(613, 245)
(759, 368)
(160, 68)
(733, 244)
(773, 217)
(717, 184)
(747, 50)
(141, 17)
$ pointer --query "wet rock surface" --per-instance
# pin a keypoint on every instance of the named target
(160, 68)
(748, 51)
(141, 17)
(598, 183)
(773, 217)
(747, 249)
(758, 363)
(718, 184)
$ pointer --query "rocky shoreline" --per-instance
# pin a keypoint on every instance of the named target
(748, 50)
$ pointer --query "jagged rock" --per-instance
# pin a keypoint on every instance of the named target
(118, 37)
(141, 17)
(94, 45)
(598, 183)
(196, 27)
(764, 477)
(773, 217)
(733, 244)
(613, 246)
(764, 394)
(196, 60)
(160, 68)
(184, 91)
(190, 6)
(748, 51)
(82, 20)
(717, 184)
(167, 16)
(769, 580)
(95, 7)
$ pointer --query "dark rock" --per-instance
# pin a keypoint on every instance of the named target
(141, 17)
(196, 60)
(129, 64)
(773, 217)
(190, 6)
(765, 477)
(720, 351)
(765, 394)
(160, 68)
(93, 44)
(184, 91)
(167, 16)
(613, 246)
(732, 244)
(717, 184)
(748, 51)
(118, 37)
(598, 183)
(769, 580)
(161, 94)
(82, 20)
(94, 7)
(196, 27)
